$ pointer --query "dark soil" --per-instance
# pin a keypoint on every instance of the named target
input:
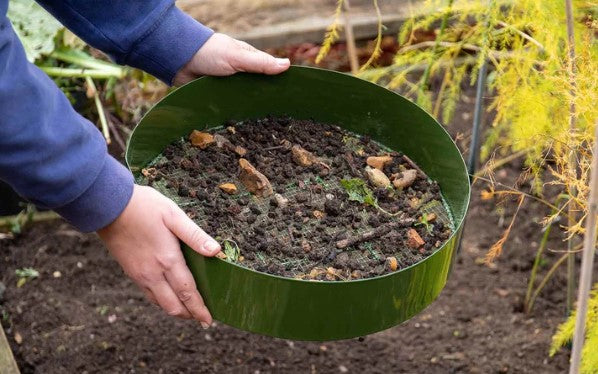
(93, 319)
(318, 233)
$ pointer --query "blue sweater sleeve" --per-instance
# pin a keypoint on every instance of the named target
(48, 153)
(153, 35)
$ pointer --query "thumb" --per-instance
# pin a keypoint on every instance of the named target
(256, 61)
(191, 234)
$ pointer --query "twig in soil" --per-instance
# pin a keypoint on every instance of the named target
(351, 163)
(273, 148)
(414, 166)
(373, 234)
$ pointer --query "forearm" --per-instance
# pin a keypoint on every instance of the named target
(154, 36)
(49, 154)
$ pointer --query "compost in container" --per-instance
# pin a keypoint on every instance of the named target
(302, 199)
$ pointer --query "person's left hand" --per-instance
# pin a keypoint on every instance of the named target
(222, 55)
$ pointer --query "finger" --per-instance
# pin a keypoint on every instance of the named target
(149, 295)
(168, 300)
(186, 230)
(182, 283)
(256, 61)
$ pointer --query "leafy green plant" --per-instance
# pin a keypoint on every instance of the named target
(564, 335)
(423, 221)
(231, 250)
(17, 223)
(25, 274)
(359, 191)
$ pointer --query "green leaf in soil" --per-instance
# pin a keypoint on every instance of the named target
(231, 250)
(24, 275)
(359, 191)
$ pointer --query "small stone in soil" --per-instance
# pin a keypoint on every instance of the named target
(229, 188)
(392, 263)
(302, 156)
(379, 162)
(201, 139)
(305, 246)
(253, 180)
(377, 177)
(414, 240)
(279, 200)
(406, 180)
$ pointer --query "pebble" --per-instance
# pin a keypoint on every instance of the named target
(280, 201)
(342, 259)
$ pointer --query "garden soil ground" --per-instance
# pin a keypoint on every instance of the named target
(93, 319)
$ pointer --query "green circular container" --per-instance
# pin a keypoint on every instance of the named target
(301, 309)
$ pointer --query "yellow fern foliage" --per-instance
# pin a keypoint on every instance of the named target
(564, 335)
(377, 49)
(331, 33)
(525, 42)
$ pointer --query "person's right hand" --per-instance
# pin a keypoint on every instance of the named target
(144, 240)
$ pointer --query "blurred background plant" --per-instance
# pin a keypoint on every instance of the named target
(108, 94)
(542, 91)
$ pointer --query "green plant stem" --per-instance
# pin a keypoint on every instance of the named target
(532, 278)
(78, 73)
(100, 108)
(546, 279)
(86, 61)
(6, 221)
(543, 243)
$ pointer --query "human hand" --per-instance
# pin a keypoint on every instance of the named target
(144, 241)
(222, 55)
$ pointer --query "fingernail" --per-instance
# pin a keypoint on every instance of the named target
(211, 246)
(282, 61)
(204, 325)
